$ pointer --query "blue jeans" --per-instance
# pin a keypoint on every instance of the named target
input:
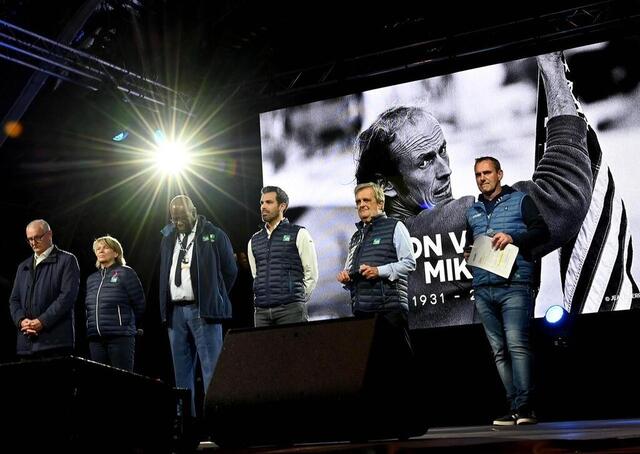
(505, 313)
(116, 351)
(191, 335)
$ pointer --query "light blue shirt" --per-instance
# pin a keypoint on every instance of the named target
(404, 251)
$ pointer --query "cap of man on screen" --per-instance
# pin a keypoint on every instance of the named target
(283, 262)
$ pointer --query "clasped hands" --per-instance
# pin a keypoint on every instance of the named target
(369, 272)
(30, 327)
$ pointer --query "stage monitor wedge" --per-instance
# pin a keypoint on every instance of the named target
(332, 380)
(71, 404)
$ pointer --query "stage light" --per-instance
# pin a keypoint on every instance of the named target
(558, 325)
(172, 157)
(159, 137)
(122, 135)
(555, 315)
(13, 129)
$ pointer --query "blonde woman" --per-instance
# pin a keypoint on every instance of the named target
(114, 304)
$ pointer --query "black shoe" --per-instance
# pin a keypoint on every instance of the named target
(506, 420)
(526, 416)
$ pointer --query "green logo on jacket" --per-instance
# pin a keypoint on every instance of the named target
(286, 237)
(376, 241)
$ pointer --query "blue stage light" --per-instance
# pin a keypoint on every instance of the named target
(122, 135)
(555, 314)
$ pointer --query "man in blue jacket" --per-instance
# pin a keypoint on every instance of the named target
(197, 271)
(505, 305)
(43, 296)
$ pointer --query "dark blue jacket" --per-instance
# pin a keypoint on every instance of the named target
(114, 302)
(279, 272)
(48, 294)
(213, 270)
(373, 245)
(506, 217)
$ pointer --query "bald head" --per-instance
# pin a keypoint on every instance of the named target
(39, 235)
(183, 213)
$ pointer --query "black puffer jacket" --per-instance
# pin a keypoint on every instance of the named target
(114, 303)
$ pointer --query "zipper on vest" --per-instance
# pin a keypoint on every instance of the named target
(268, 280)
(103, 272)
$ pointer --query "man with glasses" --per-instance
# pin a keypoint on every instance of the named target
(43, 297)
(197, 271)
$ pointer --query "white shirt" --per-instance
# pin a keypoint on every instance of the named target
(44, 255)
(185, 291)
(308, 257)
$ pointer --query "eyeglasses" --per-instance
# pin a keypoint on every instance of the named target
(36, 239)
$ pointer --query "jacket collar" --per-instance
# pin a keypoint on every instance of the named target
(283, 221)
(506, 190)
(375, 219)
(51, 258)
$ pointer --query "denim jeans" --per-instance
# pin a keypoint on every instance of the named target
(191, 335)
(116, 351)
(281, 315)
(505, 313)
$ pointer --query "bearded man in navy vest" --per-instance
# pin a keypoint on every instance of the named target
(379, 261)
(283, 263)
(505, 305)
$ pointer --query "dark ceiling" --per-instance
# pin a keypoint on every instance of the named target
(267, 54)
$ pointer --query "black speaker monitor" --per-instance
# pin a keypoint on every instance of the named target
(321, 381)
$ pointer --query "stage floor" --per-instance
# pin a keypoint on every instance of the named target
(601, 436)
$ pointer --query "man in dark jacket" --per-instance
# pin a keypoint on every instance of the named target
(43, 297)
(197, 271)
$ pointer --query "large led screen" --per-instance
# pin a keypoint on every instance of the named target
(310, 151)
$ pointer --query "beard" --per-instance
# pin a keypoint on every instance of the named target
(268, 217)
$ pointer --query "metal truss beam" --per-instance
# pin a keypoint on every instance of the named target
(562, 29)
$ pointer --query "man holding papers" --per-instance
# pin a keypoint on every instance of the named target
(502, 284)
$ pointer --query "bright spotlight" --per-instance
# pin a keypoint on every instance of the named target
(555, 314)
(172, 157)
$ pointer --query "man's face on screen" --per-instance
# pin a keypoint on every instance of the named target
(421, 153)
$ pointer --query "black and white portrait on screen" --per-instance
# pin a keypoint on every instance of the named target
(311, 150)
